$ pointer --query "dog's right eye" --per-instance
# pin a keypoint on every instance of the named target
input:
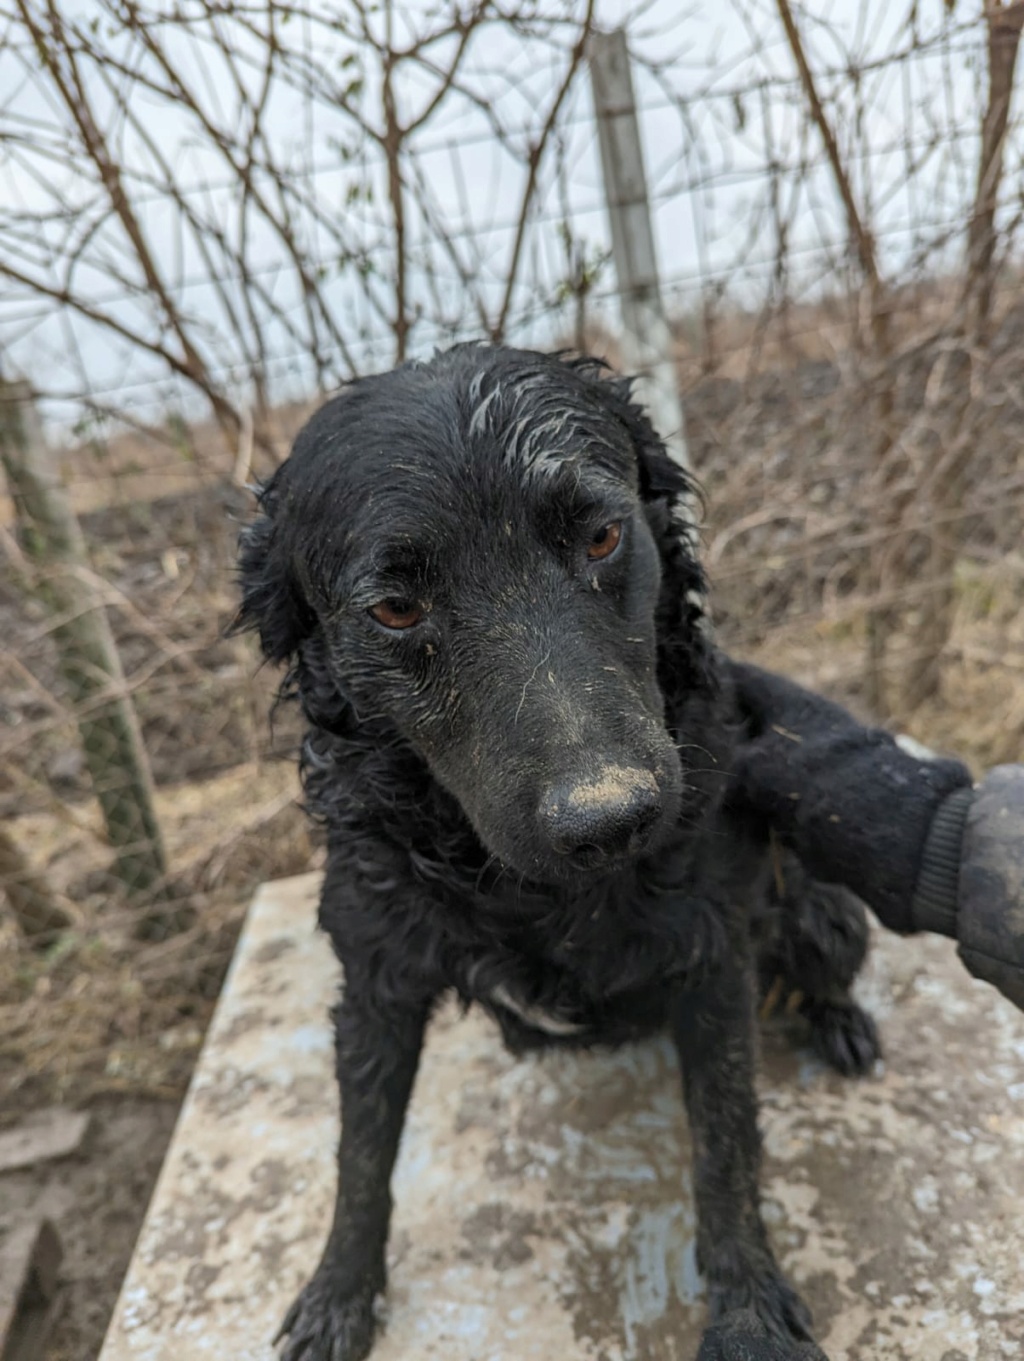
(397, 614)
(605, 541)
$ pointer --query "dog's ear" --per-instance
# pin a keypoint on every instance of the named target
(273, 603)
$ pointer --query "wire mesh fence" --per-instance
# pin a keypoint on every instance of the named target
(211, 215)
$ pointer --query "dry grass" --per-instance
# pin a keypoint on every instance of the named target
(102, 1010)
(979, 716)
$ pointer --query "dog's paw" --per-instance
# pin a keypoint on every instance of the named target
(845, 1036)
(741, 1336)
(327, 1323)
(754, 1285)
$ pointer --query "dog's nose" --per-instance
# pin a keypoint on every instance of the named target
(602, 818)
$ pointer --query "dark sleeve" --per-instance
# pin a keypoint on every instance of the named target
(853, 805)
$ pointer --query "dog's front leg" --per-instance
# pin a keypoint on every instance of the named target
(377, 1054)
(713, 1028)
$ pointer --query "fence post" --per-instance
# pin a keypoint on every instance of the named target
(111, 739)
(646, 338)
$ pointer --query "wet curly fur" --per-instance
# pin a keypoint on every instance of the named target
(524, 783)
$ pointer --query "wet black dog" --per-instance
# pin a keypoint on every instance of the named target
(481, 575)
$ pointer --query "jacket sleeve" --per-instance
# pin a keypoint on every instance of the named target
(855, 806)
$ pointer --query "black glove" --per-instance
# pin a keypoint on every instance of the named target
(911, 837)
(741, 1336)
(855, 807)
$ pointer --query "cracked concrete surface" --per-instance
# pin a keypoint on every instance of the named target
(543, 1206)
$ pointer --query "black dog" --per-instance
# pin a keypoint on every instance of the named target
(519, 743)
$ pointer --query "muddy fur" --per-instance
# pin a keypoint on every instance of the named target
(525, 791)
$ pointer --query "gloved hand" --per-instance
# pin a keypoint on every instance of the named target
(741, 1336)
(908, 835)
(990, 916)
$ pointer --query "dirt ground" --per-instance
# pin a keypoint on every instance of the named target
(110, 1020)
(97, 1199)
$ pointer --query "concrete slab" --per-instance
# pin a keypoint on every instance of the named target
(544, 1207)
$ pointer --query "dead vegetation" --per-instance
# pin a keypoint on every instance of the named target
(98, 1008)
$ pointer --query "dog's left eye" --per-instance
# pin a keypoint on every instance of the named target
(605, 541)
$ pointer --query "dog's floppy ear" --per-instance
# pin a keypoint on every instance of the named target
(273, 603)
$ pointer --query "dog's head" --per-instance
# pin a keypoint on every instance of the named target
(486, 551)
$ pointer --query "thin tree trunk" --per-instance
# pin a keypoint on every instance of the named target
(1004, 23)
(879, 620)
(949, 488)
